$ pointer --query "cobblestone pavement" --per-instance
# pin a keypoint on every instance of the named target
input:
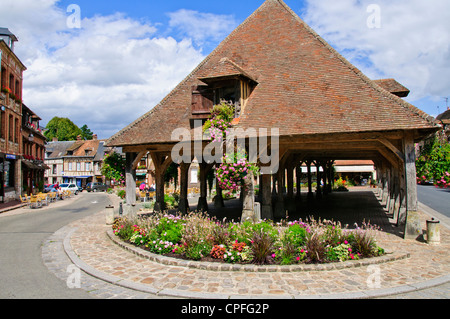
(109, 271)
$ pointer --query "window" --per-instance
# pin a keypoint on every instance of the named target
(70, 167)
(16, 129)
(88, 166)
(17, 89)
(11, 82)
(55, 167)
(11, 129)
(78, 166)
(2, 124)
(232, 90)
(3, 79)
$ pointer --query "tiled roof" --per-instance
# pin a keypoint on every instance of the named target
(226, 68)
(393, 86)
(304, 86)
(444, 116)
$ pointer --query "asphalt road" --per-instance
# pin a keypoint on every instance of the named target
(23, 274)
(435, 198)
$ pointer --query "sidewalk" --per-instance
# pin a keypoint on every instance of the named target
(413, 266)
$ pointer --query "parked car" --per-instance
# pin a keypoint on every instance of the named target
(49, 188)
(70, 187)
(96, 187)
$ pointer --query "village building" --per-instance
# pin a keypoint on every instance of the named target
(77, 162)
(33, 149)
(444, 118)
(54, 159)
(283, 77)
(11, 78)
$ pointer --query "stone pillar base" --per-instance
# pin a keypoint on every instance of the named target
(413, 227)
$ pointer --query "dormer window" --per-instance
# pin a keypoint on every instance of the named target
(227, 83)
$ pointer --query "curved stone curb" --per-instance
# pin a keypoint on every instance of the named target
(211, 266)
(196, 295)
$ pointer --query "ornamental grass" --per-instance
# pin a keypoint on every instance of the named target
(197, 236)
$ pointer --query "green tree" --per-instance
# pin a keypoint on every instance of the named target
(86, 133)
(63, 129)
(433, 161)
(113, 168)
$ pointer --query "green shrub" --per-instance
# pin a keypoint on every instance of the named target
(121, 193)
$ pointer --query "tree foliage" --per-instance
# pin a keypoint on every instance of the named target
(86, 133)
(63, 129)
(113, 168)
(433, 161)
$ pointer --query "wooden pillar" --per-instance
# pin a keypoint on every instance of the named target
(202, 205)
(413, 226)
(266, 197)
(325, 175)
(130, 178)
(218, 199)
(279, 211)
(248, 200)
(161, 162)
(290, 181)
(184, 177)
(298, 179)
(319, 178)
(330, 176)
(310, 193)
(290, 200)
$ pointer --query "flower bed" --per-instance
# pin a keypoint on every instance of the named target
(198, 237)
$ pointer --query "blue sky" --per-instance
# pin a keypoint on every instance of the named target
(128, 55)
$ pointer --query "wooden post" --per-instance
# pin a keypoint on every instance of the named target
(413, 227)
(310, 193)
(290, 200)
(298, 179)
(248, 200)
(130, 179)
(184, 172)
(279, 211)
(218, 199)
(319, 178)
(161, 162)
(266, 193)
(325, 175)
(202, 201)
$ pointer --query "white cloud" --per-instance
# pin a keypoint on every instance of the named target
(412, 44)
(202, 27)
(105, 75)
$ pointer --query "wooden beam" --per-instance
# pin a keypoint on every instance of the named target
(138, 159)
(392, 147)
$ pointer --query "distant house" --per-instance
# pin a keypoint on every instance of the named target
(444, 118)
(54, 159)
(76, 162)
(33, 148)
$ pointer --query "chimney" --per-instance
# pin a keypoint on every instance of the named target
(55, 139)
(94, 137)
(79, 138)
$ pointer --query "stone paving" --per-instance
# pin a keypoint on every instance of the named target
(87, 243)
